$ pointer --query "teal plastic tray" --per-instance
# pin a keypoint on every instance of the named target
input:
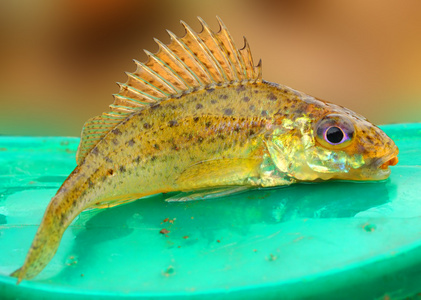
(329, 240)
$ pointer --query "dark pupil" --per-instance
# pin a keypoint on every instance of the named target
(334, 135)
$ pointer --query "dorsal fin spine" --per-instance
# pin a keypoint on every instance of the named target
(231, 64)
(210, 58)
(121, 108)
(248, 59)
(259, 68)
(206, 30)
(124, 86)
(167, 67)
(180, 64)
(238, 58)
(156, 75)
(134, 76)
(225, 41)
(193, 57)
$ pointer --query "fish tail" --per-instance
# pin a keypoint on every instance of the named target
(61, 211)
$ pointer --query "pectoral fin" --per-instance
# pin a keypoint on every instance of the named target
(219, 173)
(208, 193)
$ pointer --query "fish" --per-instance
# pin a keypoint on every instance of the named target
(197, 118)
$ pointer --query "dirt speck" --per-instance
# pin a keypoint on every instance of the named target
(164, 231)
(272, 257)
(369, 227)
(169, 271)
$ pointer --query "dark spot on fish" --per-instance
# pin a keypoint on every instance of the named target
(278, 114)
(221, 136)
(210, 90)
(115, 141)
(200, 139)
(228, 112)
(256, 91)
(153, 158)
(223, 97)
(146, 125)
(116, 131)
(122, 169)
(246, 99)
(213, 101)
(208, 124)
(196, 119)
(251, 132)
(240, 88)
(264, 113)
(272, 97)
(172, 123)
(252, 107)
(110, 172)
(155, 106)
(156, 146)
(175, 147)
(219, 83)
(108, 159)
(90, 183)
(95, 151)
(131, 142)
(199, 106)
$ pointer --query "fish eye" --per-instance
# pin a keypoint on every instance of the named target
(334, 135)
(335, 131)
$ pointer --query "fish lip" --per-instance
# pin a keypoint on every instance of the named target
(383, 163)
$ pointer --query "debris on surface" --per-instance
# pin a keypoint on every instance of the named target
(164, 231)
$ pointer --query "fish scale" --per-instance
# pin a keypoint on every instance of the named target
(198, 118)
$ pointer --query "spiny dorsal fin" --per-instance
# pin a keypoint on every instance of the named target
(195, 61)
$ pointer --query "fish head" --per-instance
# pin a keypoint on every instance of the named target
(332, 143)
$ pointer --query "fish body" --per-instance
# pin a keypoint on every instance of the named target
(213, 128)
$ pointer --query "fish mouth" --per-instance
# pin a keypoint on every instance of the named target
(380, 167)
(384, 162)
(391, 162)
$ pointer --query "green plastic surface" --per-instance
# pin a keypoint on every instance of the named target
(327, 240)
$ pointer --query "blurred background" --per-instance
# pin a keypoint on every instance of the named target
(59, 60)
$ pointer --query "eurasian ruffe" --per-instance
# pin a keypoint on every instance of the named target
(198, 118)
